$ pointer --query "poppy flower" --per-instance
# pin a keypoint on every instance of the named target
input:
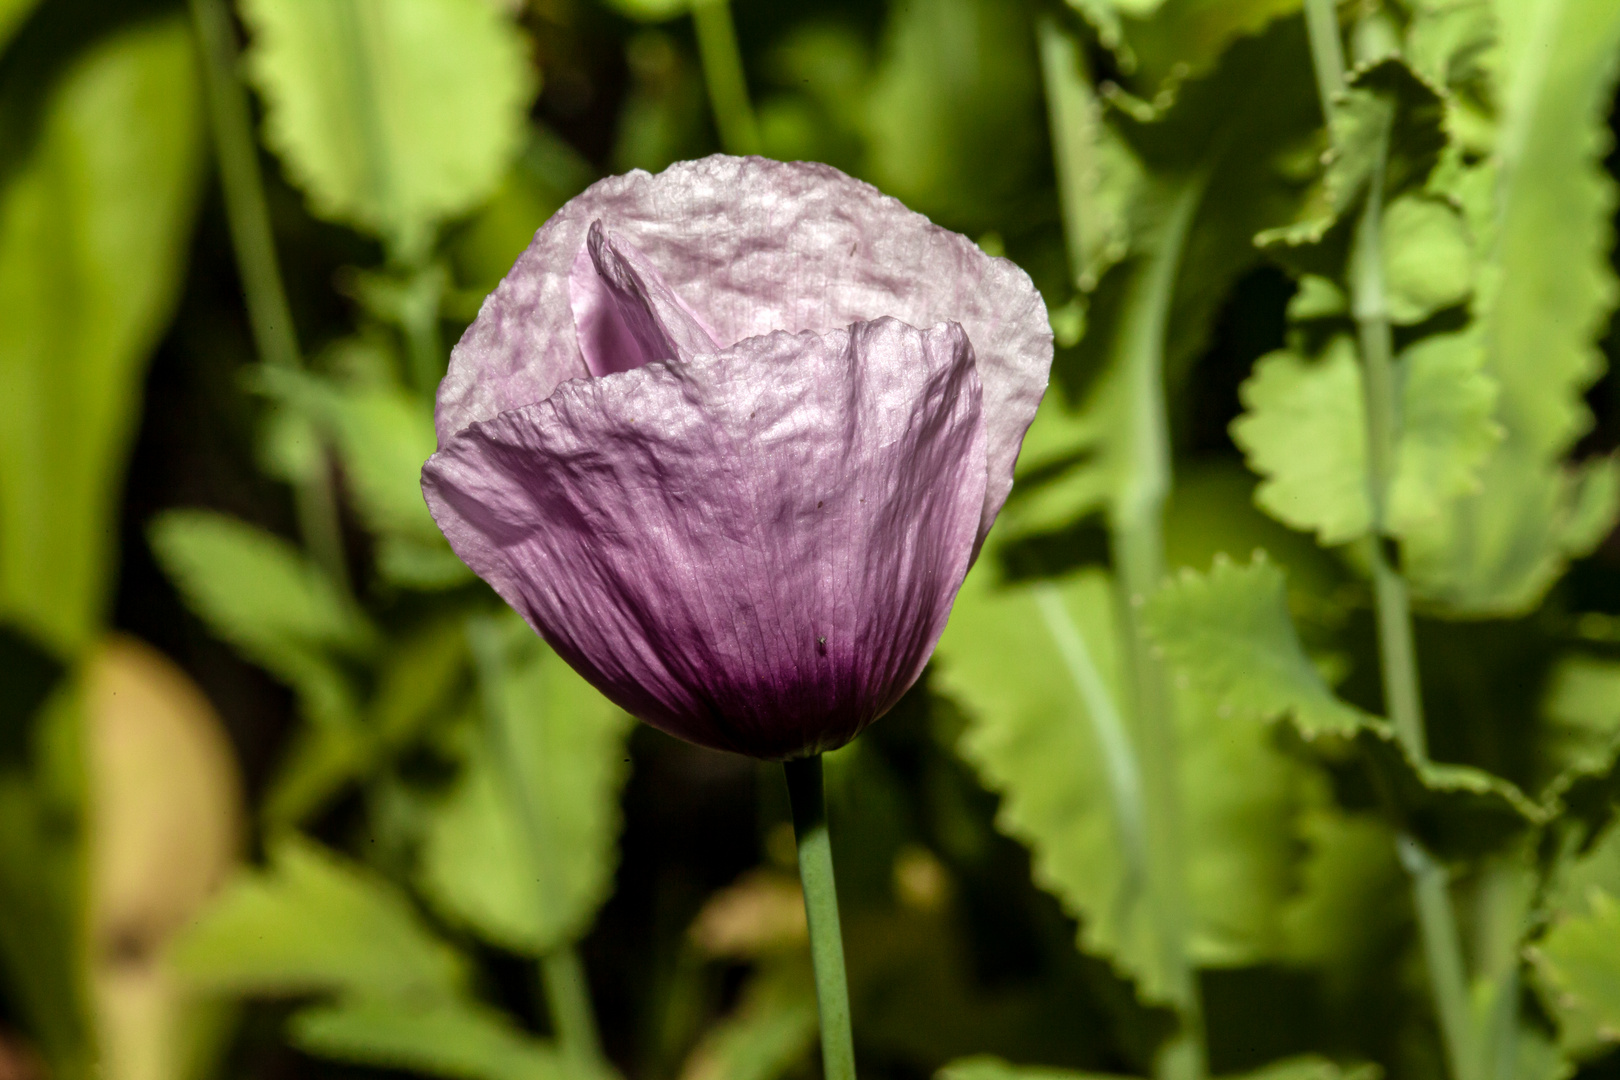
(729, 438)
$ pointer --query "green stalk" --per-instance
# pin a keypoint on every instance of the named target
(1437, 920)
(562, 976)
(805, 792)
(723, 73)
(1137, 527)
(1144, 775)
(568, 998)
(274, 336)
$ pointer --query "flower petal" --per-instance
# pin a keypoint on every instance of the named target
(624, 314)
(755, 246)
(755, 551)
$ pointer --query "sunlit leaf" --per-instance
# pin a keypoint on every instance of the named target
(94, 215)
(1544, 295)
(1578, 962)
(1230, 631)
(439, 1037)
(1037, 671)
(1304, 432)
(311, 923)
(1428, 258)
(524, 849)
(392, 115)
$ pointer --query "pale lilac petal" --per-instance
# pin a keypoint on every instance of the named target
(755, 550)
(624, 314)
(754, 246)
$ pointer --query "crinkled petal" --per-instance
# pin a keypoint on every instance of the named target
(755, 246)
(755, 551)
(625, 315)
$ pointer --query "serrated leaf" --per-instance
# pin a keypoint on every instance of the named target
(1183, 39)
(95, 209)
(1578, 964)
(1098, 176)
(1447, 427)
(1386, 100)
(1036, 670)
(1544, 295)
(1304, 432)
(523, 851)
(315, 923)
(1428, 258)
(392, 115)
(258, 592)
(1038, 674)
(1230, 632)
(441, 1038)
(772, 1029)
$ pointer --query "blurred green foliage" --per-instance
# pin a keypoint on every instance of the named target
(1155, 810)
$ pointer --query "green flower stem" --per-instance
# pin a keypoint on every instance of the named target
(723, 72)
(1137, 527)
(274, 336)
(1437, 920)
(804, 782)
(568, 997)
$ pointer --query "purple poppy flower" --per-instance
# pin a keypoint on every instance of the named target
(729, 438)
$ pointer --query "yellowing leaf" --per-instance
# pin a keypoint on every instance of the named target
(392, 115)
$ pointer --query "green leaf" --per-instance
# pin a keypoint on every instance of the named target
(1428, 258)
(952, 116)
(1582, 714)
(440, 1037)
(384, 434)
(43, 916)
(392, 117)
(523, 851)
(1384, 99)
(986, 1067)
(1098, 176)
(13, 13)
(94, 215)
(1230, 632)
(1447, 427)
(1304, 431)
(1183, 39)
(1578, 964)
(1544, 296)
(1314, 1067)
(258, 592)
(315, 923)
(772, 1029)
(1037, 672)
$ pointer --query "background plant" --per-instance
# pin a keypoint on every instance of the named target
(1274, 733)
